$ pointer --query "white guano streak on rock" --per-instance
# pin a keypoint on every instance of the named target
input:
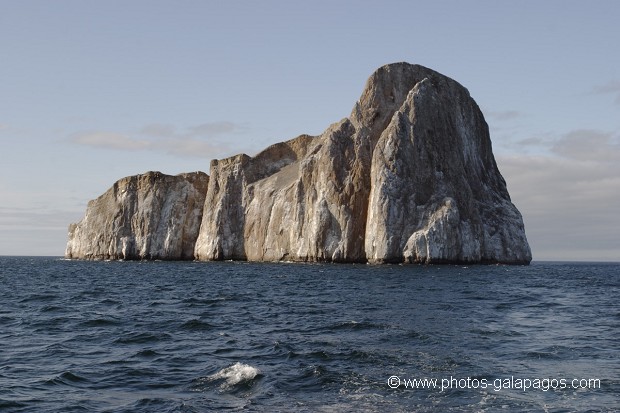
(149, 216)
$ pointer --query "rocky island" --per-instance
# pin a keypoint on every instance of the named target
(408, 177)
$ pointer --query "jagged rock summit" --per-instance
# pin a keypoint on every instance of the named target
(409, 177)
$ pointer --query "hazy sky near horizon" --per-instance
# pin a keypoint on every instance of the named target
(98, 90)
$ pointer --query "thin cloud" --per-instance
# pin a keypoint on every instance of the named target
(159, 130)
(588, 145)
(42, 231)
(611, 87)
(196, 141)
(204, 130)
(580, 144)
(503, 115)
(110, 140)
(213, 129)
(35, 218)
(533, 141)
(567, 205)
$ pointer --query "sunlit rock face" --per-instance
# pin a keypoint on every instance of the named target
(148, 216)
(408, 177)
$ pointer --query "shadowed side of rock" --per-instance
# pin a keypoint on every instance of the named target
(148, 216)
(437, 195)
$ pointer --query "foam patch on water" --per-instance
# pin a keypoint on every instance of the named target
(236, 374)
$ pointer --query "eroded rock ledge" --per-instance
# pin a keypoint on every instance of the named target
(409, 176)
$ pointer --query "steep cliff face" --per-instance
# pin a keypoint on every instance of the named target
(310, 205)
(149, 216)
(436, 192)
(409, 176)
(250, 211)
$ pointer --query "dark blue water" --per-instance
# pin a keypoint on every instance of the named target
(196, 337)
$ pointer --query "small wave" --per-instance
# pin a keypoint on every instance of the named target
(236, 374)
(67, 378)
(204, 302)
(141, 338)
(11, 404)
(310, 378)
(51, 309)
(6, 320)
(545, 355)
(100, 322)
(151, 404)
(355, 325)
(38, 298)
(196, 325)
(487, 332)
(147, 353)
(109, 301)
(416, 335)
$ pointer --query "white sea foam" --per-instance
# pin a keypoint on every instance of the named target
(235, 374)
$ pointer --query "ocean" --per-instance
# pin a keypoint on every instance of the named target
(80, 336)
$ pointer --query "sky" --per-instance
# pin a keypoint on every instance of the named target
(93, 91)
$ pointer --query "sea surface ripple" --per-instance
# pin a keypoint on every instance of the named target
(79, 336)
